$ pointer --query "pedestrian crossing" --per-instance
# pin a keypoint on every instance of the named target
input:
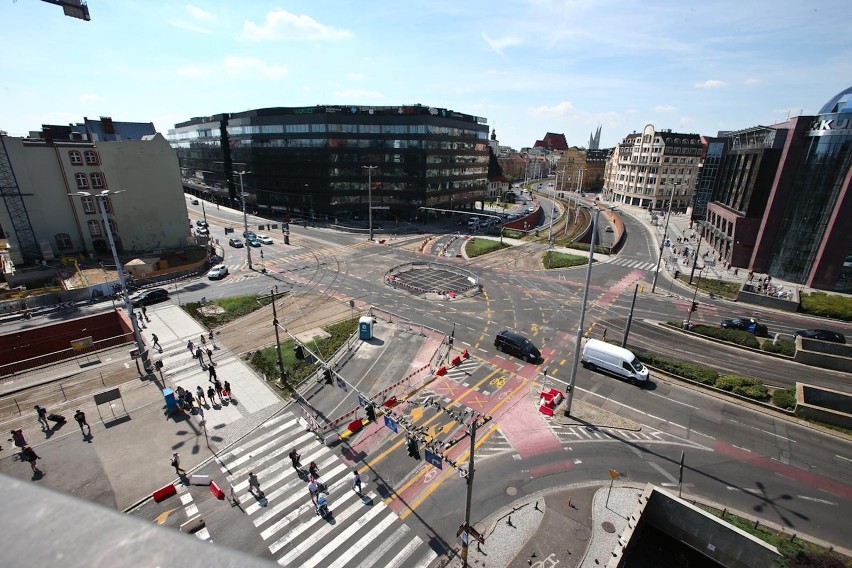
(630, 263)
(462, 372)
(572, 433)
(361, 530)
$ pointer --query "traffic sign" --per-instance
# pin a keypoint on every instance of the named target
(362, 401)
(433, 458)
(391, 424)
(342, 384)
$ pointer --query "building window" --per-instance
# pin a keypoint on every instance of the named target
(107, 203)
(63, 241)
(94, 228)
(91, 158)
(88, 204)
(82, 181)
(97, 179)
(75, 157)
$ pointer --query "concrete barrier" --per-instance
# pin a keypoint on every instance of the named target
(192, 524)
(217, 491)
(163, 492)
(197, 479)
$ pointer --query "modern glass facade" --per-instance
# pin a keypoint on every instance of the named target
(314, 159)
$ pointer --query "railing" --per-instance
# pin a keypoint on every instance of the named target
(37, 364)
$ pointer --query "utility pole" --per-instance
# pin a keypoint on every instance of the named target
(245, 216)
(665, 235)
(275, 295)
(629, 317)
(370, 196)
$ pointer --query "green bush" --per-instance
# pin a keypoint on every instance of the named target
(730, 382)
(784, 347)
(699, 373)
(736, 336)
(785, 398)
(554, 259)
(756, 392)
(826, 305)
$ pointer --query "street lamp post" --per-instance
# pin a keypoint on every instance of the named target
(576, 361)
(137, 335)
(553, 209)
(245, 216)
(370, 196)
(665, 235)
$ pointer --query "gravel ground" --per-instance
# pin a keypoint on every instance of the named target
(615, 510)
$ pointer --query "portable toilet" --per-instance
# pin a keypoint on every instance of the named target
(365, 327)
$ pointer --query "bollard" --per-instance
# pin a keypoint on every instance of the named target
(509, 521)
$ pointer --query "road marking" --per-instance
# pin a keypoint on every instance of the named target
(672, 400)
(741, 448)
(766, 432)
(816, 500)
(662, 471)
(843, 458)
(746, 489)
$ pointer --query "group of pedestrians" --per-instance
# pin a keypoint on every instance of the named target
(187, 400)
(28, 454)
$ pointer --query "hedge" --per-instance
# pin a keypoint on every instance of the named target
(826, 305)
(699, 373)
(784, 347)
(736, 336)
(785, 398)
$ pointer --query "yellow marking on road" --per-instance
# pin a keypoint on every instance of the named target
(161, 518)
(449, 388)
(477, 400)
(416, 413)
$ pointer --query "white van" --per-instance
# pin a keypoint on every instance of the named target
(614, 360)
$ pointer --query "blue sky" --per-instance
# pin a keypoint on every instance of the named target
(527, 66)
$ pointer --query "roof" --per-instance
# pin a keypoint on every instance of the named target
(552, 141)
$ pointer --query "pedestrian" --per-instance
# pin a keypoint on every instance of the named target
(145, 313)
(42, 417)
(218, 384)
(203, 341)
(254, 483)
(176, 464)
(188, 399)
(212, 370)
(211, 394)
(80, 417)
(28, 454)
(736, 271)
(295, 457)
(227, 389)
(190, 346)
(156, 342)
(210, 355)
(140, 320)
(18, 438)
(313, 470)
(199, 394)
(313, 489)
(356, 481)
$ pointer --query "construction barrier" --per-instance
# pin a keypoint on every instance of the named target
(456, 361)
(164, 492)
(192, 524)
(197, 479)
(216, 490)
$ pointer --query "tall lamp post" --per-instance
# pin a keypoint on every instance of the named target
(245, 216)
(140, 344)
(370, 196)
(665, 235)
(582, 314)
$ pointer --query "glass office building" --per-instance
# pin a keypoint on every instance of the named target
(314, 160)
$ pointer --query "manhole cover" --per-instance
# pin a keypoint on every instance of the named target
(512, 491)
(608, 526)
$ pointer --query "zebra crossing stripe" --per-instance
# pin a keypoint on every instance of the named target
(251, 443)
(259, 461)
(347, 533)
(296, 491)
(380, 550)
(274, 495)
(403, 555)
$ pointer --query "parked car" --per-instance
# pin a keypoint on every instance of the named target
(517, 345)
(236, 242)
(822, 335)
(195, 202)
(148, 297)
(202, 223)
(746, 324)
(264, 239)
(217, 272)
(253, 242)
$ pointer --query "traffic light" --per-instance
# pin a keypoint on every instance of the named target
(371, 413)
(326, 374)
(694, 306)
(413, 450)
(300, 353)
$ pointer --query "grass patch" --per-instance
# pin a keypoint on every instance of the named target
(513, 234)
(721, 288)
(478, 247)
(553, 259)
(233, 308)
(599, 249)
(796, 553)
(265, 361)
(826, 305)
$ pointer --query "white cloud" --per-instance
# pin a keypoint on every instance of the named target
(710, 84)
(189, 26)
(354, 95)
(665, 108)
(563, 109)
(252, 66)
(200, 13)
(91, 98)
(499, 44)
(192, 71)
(355, 77)
(281, 24)
(753, 81)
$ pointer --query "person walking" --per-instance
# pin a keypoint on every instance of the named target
(212, 371)
(176, 464)
(200, 358)
(227, 388)
(145, 313)
(295, 457)
(80, 417)
(356, 481)
(156, 342)
(313, 489)
(190, 346)
(188, 400)
(42, 417)
(18, 438)
(199, 394)
(28, 454)
(211, 395)
(203, 341)
(210, 355)
(254, 484)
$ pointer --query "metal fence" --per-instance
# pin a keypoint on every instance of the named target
(37, 364)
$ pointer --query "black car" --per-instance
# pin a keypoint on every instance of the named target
(517, 345)
(822, 335)
(148, 297)
(746, 324)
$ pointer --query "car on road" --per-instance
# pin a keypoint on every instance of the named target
(249, 235)
(236, 242)
(195, 202)
(822, 335)
(203, 231)
(614, 360)
(217, 272)
(516, 344)
(608, 230)
(202, 223)
(746, 324)
(253, 242)
(148, 297)
(264, 239)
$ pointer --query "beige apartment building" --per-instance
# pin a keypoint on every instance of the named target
(650, 168)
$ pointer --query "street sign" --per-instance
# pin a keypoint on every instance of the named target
(389, 422)
(362, 401)
(342, 384)
(433, 458)
(613, 474)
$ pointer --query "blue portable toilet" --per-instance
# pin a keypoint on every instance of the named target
(365, 327)
(169, 395)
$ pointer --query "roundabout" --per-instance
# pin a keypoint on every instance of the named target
(433, 281)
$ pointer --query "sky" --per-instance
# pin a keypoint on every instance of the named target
(528, 66)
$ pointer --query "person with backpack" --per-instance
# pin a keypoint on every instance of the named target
(80, 417)
(42, 417)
